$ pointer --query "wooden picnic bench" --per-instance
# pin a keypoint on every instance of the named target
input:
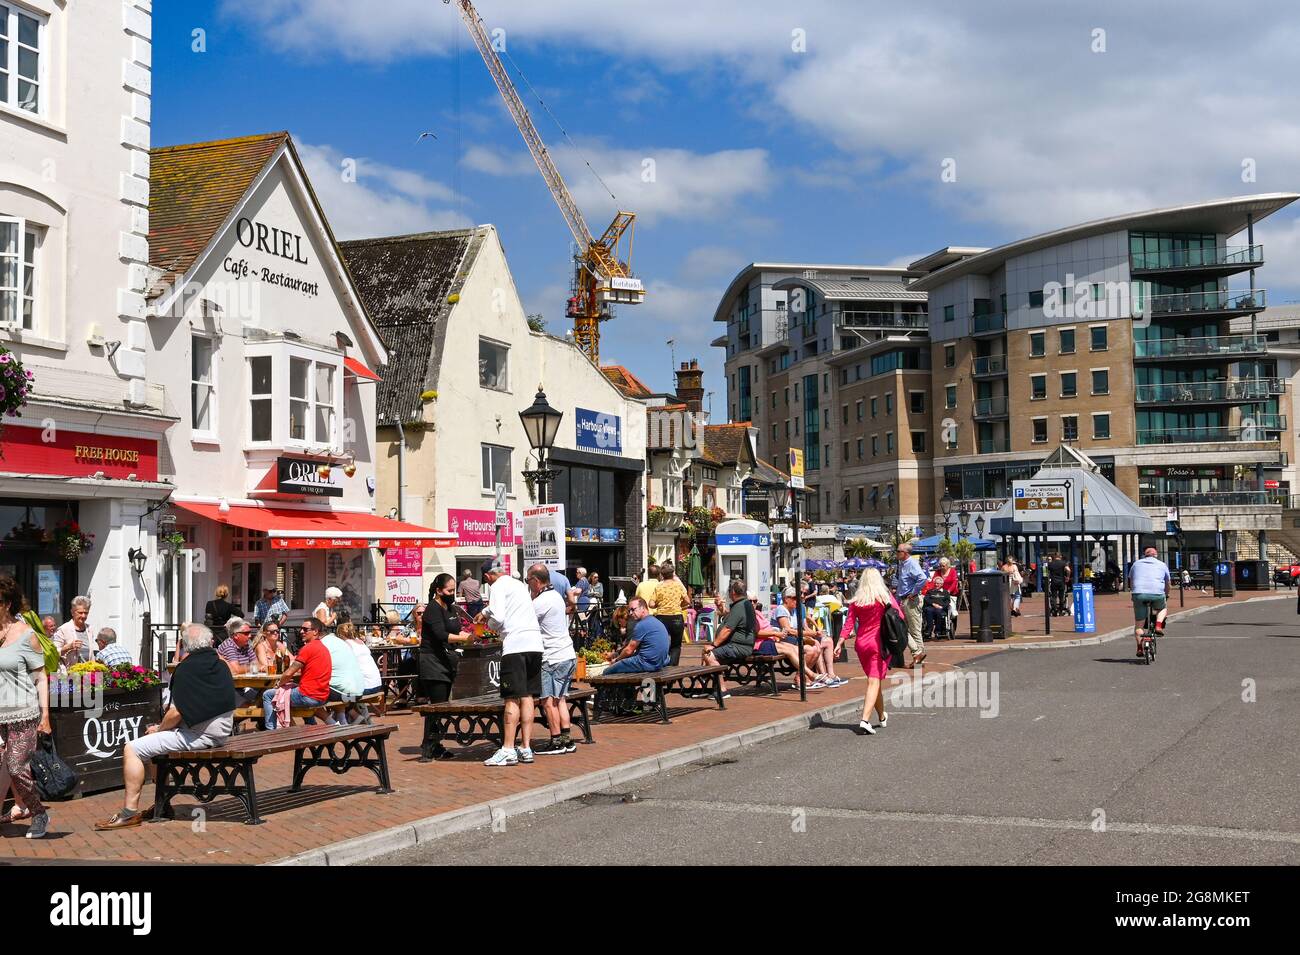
(686, 680)
(760, 669)
(477, 718)
(227, 770)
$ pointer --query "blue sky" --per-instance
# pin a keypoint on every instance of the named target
(815, 134)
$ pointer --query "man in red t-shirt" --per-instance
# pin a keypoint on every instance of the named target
(313, 667)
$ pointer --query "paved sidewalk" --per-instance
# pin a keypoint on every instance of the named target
(332, 809)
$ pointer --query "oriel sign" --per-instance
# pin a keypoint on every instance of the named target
(302, 476)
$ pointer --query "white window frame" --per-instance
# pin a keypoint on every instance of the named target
(269, 398)
(1067, 328)
(282, 354)
(1043, 333)
(491, 479)
(947, 405)
(26, 230)
(209, 433)
(1076, 427)
(1032, 379)
(1061, 381)
(10, 66)
(1091, 371)
(503, 346)
(1104, 327)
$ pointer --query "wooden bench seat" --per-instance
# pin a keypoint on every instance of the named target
(655, 686)
(477, 718)
(297, 713)
(227, 770)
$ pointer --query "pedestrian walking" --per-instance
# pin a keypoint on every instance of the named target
(218, 610)
(470, 593)
(24, 707)
(437, 661)
(668, 603)
(1015, 580)
(559, 660)
(866, 615)
(596, 625)
(911, 578)
(510, 613)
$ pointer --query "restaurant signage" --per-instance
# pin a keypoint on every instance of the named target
(281, 243)
(302, 476)
(67, 453)
(978, 505)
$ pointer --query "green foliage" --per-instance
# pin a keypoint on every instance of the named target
(964, 550)
(946, 548)
(858, 547)
(537, 322)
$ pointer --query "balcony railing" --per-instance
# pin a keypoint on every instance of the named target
(1242, 256)
(989, 365)
(992, 322)
(1210, 433)
(854, 318)
(995, 447)
(1212, 346)
(1202, 303)
(1227, 390)
(1264, 422)
(991, 407)
(1209, 498)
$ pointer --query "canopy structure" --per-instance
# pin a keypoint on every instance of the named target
(299, 529)
(849, 563)
(928, 545)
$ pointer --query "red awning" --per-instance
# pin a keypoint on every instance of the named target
(297, 529)
(360, 370)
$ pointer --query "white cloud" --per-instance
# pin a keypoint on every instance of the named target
(712, 262)
(494, 163)
(383, 200)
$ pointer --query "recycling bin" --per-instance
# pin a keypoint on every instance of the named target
(1224, 579)
(1251, 575)
(990, 605)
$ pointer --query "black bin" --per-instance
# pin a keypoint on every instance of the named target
(1224, 582)
(990, 602)
(1251, 575)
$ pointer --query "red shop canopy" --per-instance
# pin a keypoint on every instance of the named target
(297, 529)
(360, 370)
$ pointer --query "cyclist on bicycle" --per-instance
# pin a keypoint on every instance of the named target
(1058, 579)
(1149, 582)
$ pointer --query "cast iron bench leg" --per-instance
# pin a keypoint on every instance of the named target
(250, 792)
(578, 711)
(717, 690)
(385, 785)
(299, 771)
(663, 702)
(162, 791)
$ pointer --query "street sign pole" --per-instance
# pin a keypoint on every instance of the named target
(501, 518)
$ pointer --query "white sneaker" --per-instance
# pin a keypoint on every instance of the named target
(866, 727)
(524, 755)
(884, 721)
(502, 757)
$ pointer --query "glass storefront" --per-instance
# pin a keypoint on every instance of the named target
(29, 553)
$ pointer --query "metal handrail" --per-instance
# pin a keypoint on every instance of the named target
(989, 365)
(990, 322)
(1224, 389)
(1210, 498)
(996, 405)
(1193, 435)
(1196, 347)
(1242, 255)
(1183, 303)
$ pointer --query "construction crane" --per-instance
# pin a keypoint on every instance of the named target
(601, 276)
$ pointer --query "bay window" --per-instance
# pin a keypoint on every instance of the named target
(304, 382)
(19, 241)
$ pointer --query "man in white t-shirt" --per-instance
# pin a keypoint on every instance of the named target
(558, 659)
(510, 613)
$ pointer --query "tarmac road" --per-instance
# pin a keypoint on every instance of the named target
(1090, 758)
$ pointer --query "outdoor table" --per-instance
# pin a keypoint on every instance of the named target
(388, 656)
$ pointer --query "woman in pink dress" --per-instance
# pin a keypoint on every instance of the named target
(866, 610)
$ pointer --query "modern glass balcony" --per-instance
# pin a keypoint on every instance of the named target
(989, 366)
(1200, 304)
(1263, 422)
(995, 446)
(1210, 498)
(1210, 433)
(989, 323)
(1224, 391)
(1213, 346)
(861, 318)
(1222, 260)
(995, 407)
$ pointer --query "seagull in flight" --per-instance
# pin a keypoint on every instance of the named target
(421, 137)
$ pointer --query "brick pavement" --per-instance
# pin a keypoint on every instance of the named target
(335, 808)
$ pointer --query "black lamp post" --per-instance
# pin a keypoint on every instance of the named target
(137, 557)
(784, 496)
(945, 506)
(541, 424)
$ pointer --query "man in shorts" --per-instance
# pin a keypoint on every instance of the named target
(200, 716)
(510, 613)
(735, 639)
(1149, 583)
(558, 660)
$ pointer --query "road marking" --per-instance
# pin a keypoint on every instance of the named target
(1027, 822)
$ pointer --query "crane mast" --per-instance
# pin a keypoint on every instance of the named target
(601, 275)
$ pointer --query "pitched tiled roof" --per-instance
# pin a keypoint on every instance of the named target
(768, 474)
(727, 443)
(404, 282)
(626, 382)
(193, 188)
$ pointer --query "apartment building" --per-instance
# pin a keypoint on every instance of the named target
(834, 360)
(1135, 338)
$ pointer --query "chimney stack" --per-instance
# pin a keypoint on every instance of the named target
(690, 386)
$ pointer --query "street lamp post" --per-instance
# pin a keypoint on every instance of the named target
(541, 424)
(964, 523)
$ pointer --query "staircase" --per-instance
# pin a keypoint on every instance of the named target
(1283, 546)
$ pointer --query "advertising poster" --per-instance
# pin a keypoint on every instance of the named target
(544, 535)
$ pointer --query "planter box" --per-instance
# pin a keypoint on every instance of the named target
(92, 743)
(479, 671)
(596, 669)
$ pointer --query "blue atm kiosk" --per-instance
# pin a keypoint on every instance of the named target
(744, 549)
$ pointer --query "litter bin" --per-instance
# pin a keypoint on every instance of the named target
(1085, 617)
(1223, 579)
(990, 605)
(1251, 575)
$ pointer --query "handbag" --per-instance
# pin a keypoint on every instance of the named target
(48, 649)
(893, 633)
(54, 778)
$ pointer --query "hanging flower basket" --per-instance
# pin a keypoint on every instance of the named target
(71, 541)
(656, 516)
(15, 385)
